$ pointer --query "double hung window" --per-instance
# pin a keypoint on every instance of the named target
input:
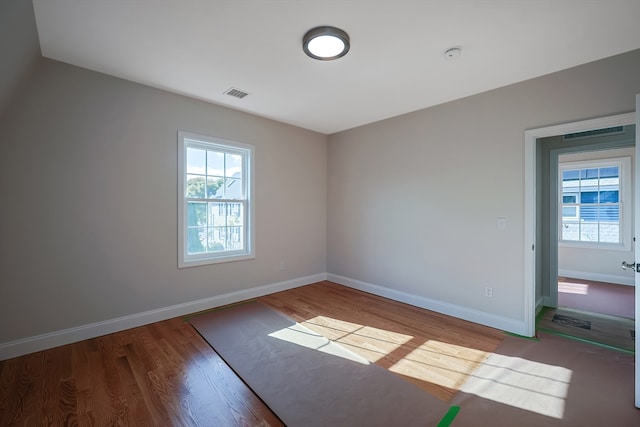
(592, 202)
(214, 196)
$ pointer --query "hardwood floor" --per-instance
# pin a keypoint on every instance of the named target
(165, 374)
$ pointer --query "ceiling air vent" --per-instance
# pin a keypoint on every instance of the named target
(236, 93)
(591, 133)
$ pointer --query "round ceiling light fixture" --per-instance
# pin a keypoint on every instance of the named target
(325, 43)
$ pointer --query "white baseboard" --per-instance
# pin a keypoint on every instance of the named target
(597, 277)
(476, 316)
(32, 344)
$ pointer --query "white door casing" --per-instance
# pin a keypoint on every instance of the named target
(637, 247)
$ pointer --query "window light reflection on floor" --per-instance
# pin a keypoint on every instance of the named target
(367, 341)
(573, 288)
(298, 334)
(513, 381)
(440, 363)
(521, 383)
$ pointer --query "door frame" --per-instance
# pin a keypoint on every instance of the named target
(530, 204)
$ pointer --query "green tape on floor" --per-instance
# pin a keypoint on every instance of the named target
(599, 344)
(449, 416)
(522, 336)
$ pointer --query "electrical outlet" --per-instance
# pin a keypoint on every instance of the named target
(488, 292)
(281, 266)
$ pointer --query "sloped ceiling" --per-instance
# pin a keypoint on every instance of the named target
(396, 63)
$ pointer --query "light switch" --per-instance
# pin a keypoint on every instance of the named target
(501, 224)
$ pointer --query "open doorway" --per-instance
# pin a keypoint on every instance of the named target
(585, 205)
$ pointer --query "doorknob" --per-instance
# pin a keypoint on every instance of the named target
(633, 266)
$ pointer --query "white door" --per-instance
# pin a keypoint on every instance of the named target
(637, 246)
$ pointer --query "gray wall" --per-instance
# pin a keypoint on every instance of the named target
(88, 179)
(413, 200)
(19, 47)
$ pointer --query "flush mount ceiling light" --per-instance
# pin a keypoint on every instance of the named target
(325, 43)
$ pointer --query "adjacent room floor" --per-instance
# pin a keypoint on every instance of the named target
(598, 312)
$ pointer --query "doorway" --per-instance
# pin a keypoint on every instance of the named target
(585, 201)
(541, 261)
(589, 200)
(532, 276)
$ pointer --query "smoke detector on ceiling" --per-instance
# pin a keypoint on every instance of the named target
(452, 53)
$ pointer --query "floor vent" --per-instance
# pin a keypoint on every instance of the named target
(596, 132)
(236, 93)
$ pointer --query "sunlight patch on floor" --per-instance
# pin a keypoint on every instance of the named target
(441, 363)
(367, 341)
(573, 288)
(300, 335)
(521, 383)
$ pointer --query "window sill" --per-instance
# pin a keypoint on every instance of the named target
(215, 260)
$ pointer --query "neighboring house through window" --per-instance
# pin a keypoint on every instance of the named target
(215, 220)
(593, 200)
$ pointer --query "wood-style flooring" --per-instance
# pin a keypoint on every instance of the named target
(165, 374)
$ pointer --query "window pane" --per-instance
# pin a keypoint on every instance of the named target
(235, 238)
(217, 214)
(609, 213)
(589, 197)
(195, 186)
(195, 239)
(213, 188)
(233, 189)
(215, 163)
(610, 232)
(196, 214)
(569, 198)
(217, 237)
(235, 214)
(589, 232)
(570, 175)
(569, 212)
(571, 231)
(609, 196)
(589, 213)
(195, 160)
(609, 172)
(233, 166)
(588, 173)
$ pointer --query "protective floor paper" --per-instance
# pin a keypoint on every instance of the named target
(306, 379)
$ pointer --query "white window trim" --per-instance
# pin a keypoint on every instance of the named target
(625, 201)
(184, 259)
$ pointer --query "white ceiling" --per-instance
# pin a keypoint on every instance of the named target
(396, 65)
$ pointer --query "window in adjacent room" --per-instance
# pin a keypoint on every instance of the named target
(215, 220)
(595, 202)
